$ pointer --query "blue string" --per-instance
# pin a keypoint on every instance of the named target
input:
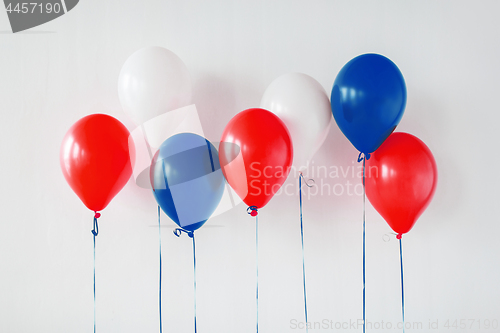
(402, 286)
(257, 267)
(178, 232)
(364, 158)
(303, 260)
(210, 153)
(194, 277)
(253, 211)
(95, 232)
(159, 291)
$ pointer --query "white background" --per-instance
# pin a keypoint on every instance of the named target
(54, 74)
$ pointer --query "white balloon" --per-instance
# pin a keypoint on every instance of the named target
(153, 81)
(303, 105)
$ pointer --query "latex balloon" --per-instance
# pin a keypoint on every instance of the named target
(368, 100)
(153, 81)
(96, 160)
(303, 105)
(401, 178)
(187, 180)
(256, 155)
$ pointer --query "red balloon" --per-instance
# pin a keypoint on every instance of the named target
(256, 154)
(95, 159)
(401, 178)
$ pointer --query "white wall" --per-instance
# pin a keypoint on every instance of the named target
(52, 75)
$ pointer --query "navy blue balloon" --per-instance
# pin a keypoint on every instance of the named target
(187, 179)
(368, 100)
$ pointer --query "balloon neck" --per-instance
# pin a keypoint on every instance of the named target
(253, 211)
(97, 215)
(399, 236)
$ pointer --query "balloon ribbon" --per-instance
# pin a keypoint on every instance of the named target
(95, 232)
(301, 176)
(178, 232)
(253, 211)
(159, 289)
(399, 236)
(364, 158)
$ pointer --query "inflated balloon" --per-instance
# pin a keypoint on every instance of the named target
(153, 81)
(368, 100)
(187, 179)
(256, 155)
(95, 159)
(401, 178)
(303, 105)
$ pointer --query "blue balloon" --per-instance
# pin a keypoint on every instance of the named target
(368, 100)
(187, 179)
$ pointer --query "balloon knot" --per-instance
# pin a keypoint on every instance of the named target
(179, 231)
(95, 231)
(253, 211)
(363, 156)
(399, 236)
(309, 182)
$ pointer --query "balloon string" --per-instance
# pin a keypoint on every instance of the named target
(364, 237)
(402, 285)
(194, 279)
(178, 232)
(303, 259)
(253, 211)
(95, 232)
(210, 153)
(257, 268)
(160, 278)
